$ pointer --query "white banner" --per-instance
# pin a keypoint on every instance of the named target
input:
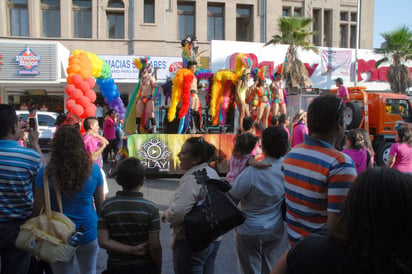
(337, 62)
(122, 66)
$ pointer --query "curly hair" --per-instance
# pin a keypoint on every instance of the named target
(70, 165)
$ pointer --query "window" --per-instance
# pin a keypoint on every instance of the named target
(149, 11)
(215, 22)
(398, 106)
(51, 18)
(343, 43)
(354, 16)
(46, 120)
(244, 24)
(353, 36)
(186, 19)
(344, 16)
(19, 18)
(317, 27)
(82, 18)
(115, 19)
(297, 12)
(286, 11)
(327, 28)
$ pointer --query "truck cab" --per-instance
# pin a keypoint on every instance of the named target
(380, 114)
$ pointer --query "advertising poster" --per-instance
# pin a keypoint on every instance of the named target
(159, 152)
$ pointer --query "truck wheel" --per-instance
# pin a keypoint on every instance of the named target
(352, 115)
(382, 155)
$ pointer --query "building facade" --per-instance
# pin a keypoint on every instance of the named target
(156, 28)
(151, 27)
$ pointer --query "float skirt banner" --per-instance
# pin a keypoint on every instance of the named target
(158, 152)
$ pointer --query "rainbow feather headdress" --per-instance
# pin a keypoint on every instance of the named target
(142, 62)
(190, 51)
(242, 64)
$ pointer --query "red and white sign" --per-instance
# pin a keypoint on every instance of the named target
(28, 59)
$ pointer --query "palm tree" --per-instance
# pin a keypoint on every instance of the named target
(296, 33)
(398, 49)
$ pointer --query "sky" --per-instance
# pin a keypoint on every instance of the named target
(389, 15)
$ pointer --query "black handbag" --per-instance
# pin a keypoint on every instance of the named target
(213, 216)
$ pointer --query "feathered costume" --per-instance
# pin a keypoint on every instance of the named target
(181, 86)
(222, 95)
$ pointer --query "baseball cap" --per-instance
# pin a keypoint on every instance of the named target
(339, 80)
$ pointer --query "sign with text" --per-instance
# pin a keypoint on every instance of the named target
(158, 152)
(29, 60)
(122, 66)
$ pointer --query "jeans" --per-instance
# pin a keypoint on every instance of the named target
(187, 261)
(256, 253)
(13, 259)
(86, 256)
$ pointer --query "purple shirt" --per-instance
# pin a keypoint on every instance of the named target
(92, 144)
(298, 133)
(359, 157)
(109, 129)
(403, 154)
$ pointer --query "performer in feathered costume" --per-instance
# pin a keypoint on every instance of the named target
(242, 68)
(278, 93)
(141, 106)
(184, 90)
(261, 91)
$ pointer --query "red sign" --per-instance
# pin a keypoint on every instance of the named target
(175, 66)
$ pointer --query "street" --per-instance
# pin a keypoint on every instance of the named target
(160, 191)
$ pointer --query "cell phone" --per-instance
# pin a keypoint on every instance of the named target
(32, 123)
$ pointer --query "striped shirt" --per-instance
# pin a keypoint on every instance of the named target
(18, 169)
(317, 180)
(129, 219)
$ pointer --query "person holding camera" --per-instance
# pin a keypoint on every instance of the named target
(19, 167)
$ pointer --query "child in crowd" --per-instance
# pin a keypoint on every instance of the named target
(368, 143)
(95, 144)
(241, 158)
(129, 225)
(355, 148)
(283, 122)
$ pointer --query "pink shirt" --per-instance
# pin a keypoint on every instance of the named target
(359, 157)
(343, 92)
(109, 129)
(403, 154)
(298, 133)
(237, 165)
(92, 144)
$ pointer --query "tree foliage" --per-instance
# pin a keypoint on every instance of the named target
(295, 32)
(397, 49)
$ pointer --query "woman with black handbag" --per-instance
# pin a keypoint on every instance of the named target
(194, 156)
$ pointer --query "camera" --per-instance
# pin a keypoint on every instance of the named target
(32, 123)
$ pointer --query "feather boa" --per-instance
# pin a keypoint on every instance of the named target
(223, 78)
(180, 91)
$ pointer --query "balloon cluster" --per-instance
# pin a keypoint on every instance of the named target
(80, 86)
(111, 94)
(83, 66)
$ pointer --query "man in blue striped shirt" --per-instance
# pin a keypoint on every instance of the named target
(18, 169)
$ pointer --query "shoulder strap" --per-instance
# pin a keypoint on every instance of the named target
(47, 196)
